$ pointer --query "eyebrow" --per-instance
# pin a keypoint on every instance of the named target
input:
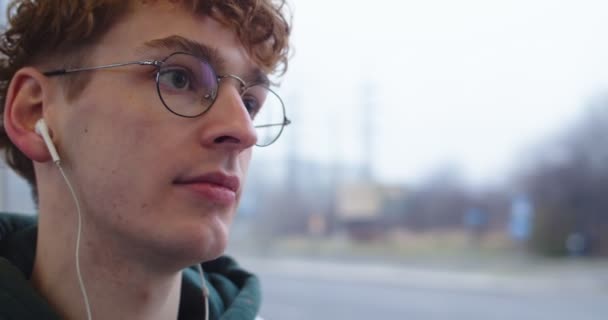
(182, 44)
(212, 55)
(257, 76)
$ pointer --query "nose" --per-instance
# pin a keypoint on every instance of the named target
(228, 124)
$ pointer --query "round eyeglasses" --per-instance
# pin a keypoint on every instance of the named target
(187, 86)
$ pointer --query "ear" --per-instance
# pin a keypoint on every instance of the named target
(26, 100)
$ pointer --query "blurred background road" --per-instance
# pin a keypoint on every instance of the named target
(297, 289)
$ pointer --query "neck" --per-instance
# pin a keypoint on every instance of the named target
(119, 285)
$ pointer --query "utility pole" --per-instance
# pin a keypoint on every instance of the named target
(367, 94)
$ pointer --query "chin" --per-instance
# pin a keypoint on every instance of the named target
(211, 242)
(194, 238)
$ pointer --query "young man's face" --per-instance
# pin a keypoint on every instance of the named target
(146, 176)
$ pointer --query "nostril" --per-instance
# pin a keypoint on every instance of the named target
(226, 139)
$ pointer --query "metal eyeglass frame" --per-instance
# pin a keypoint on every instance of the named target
(159, 63)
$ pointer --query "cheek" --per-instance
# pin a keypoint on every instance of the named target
(244, 160)
(243, 164)
(111, 145)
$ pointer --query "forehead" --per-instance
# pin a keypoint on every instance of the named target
(151, 22)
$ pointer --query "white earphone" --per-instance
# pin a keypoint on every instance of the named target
(43, 131)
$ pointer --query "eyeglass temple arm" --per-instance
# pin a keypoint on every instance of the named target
(286, 122)
(59, 72)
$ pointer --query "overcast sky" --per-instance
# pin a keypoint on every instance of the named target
(470, 83)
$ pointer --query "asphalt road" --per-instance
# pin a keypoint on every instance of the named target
(304, 289)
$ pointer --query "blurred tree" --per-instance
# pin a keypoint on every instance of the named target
(439, 203)
(568, 184)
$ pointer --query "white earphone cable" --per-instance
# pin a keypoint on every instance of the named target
(78, 236)
(205, 290)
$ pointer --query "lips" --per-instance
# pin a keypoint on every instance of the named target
(216, 187)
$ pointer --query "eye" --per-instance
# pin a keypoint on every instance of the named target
(254, 99)
(252, 105)
(175, 79)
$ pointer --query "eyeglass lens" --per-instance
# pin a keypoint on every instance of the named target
(188, 86)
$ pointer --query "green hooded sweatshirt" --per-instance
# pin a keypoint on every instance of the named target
(234, 293)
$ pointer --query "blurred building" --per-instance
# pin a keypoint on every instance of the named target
(366, 210)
